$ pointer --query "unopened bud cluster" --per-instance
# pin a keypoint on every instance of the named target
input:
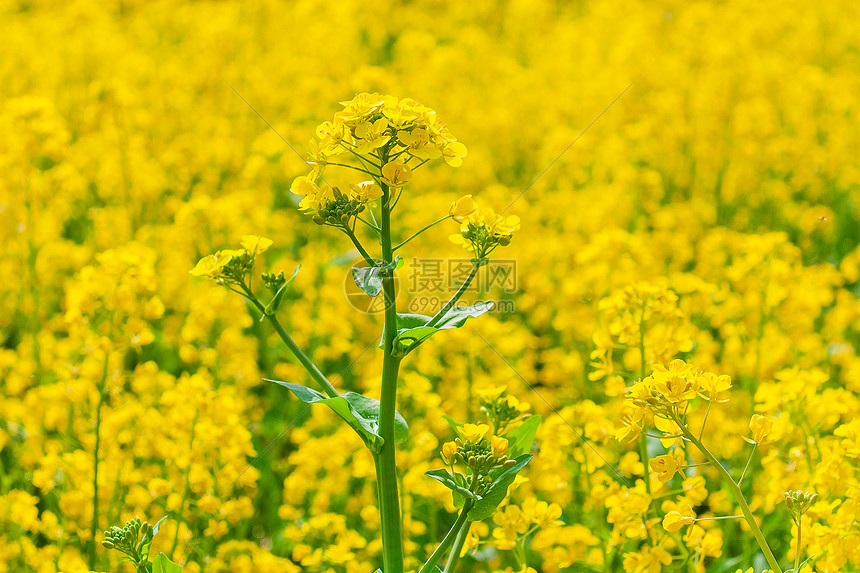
(338, 211)
(500, 411)
(798, 502)
(132, 539)
(274, 282)
(479, 457)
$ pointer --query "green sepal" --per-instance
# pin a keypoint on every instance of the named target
(520, 439)
(452, 482)
(275, 303)
(161, 564)
(411, 329)
(502, 478)
(368, 279)
(360, 412)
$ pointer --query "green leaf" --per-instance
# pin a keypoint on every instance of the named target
(273, 305)
(157, 526)
(457, 316)
(161, 564)
(368, 279)
(520, 440)
(412, 331)
(406, 321)
(395, 264)
(450, 481)
(360, 412)
(455, 425)
(502, 478)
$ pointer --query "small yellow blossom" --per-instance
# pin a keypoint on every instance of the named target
(396, 174)
(499, 445)
(474, 432)
(761, 427)
(462, 208)
(668, 465)
(448, 451)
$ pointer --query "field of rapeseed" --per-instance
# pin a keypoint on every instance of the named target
(676, 320)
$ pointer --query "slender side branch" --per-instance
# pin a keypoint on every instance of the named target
(312, 369)
(738, 495)
(433, 224)
(450, 304)
(454, 557)
(448, 540)
(746, 467)
(367, 258)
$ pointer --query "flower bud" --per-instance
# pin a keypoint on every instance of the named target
(449, 451)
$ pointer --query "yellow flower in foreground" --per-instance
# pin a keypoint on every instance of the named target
(212, 265)
(675, 520)
(500, 446)
(454, 153)
(761, 427)
(255, 245)
(448, 451)
(396, 174)
(462, 208)
(474, 432)
(712, 384)
(667, 465)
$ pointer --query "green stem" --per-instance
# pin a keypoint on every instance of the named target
(448, 305)
(368, 223)
(312, 369)
(797, 548)
(738, 495)
(386, 468)
(187, 488)
(351, 167)
(433, 224)
(643, 439)
(746, 467)
(705, 421)
(368, 259)
(719, 517)
(452, 534)
(454, 557)
(315, 373)
(94, 526)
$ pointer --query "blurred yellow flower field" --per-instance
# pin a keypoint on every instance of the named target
(674, 191)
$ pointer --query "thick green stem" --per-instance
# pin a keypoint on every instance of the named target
(450, 304)
(386, 467)
(452, 534)
(797, 548)
(738, 495)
